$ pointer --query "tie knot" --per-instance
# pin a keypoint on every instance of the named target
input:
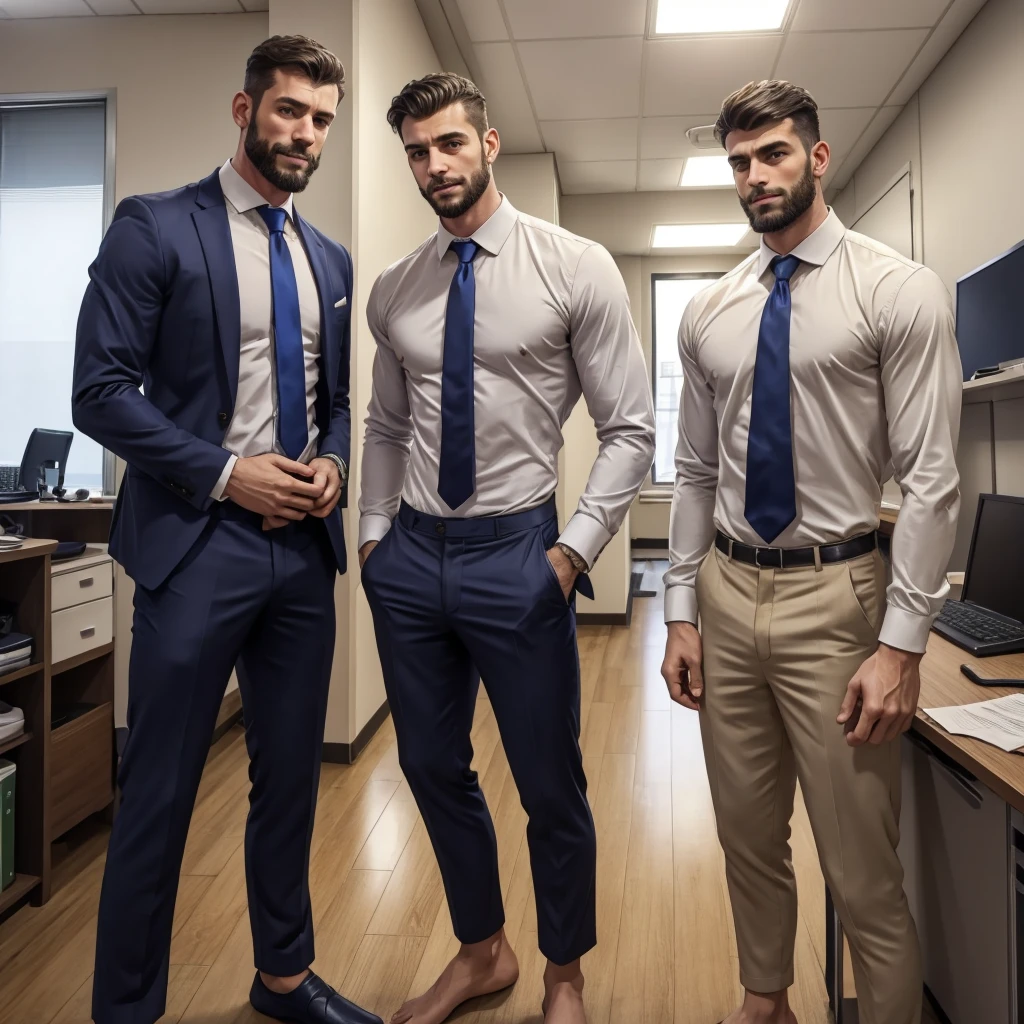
(274, 216)
(784, 267)
(465, 250)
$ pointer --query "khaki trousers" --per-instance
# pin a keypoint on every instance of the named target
(780, 647)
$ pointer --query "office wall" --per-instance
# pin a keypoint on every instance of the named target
(174, 78)
(960, 136)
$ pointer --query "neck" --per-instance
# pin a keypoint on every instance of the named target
(477, 215)
(785, 241)
(247, 172)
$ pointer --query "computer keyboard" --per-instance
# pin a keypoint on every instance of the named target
(978, 625)
(9, 478)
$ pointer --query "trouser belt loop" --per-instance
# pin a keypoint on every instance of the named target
(817, 558)
(731, 542)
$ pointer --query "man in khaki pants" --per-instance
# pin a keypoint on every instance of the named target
(811, 371)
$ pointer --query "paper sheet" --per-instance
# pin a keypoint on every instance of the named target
(999, 722)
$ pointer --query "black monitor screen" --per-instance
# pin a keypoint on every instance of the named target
(995, 566)
(990, 313)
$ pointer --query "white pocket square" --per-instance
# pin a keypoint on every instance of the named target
(341, 302)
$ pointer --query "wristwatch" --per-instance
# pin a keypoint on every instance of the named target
(339, 462)
(577, 560)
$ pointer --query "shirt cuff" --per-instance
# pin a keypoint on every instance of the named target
(222, 481)
(372, 526)
(906, 631)
(586, 536)
(681, 604)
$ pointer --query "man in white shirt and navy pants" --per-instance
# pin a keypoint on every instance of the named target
(817, 367)
(487, 335)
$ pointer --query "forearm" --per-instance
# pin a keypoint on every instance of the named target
(691, 535)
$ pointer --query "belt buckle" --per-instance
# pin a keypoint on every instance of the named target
(768, 565)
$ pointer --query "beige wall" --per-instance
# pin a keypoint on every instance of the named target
(147, 62)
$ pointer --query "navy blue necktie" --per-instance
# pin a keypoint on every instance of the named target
(771, 486)
(457, 470)
(292, 422)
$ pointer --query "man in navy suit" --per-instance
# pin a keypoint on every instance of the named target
(233, 313)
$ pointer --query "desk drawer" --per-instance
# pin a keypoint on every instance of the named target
(72, 588)
(81, 628)
(82, 766)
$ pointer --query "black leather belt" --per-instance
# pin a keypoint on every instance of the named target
(791, 558)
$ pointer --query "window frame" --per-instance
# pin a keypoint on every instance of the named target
(704, 275)
(108, 97)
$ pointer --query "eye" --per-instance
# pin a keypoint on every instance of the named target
(454, 144)
(322, 122)
(285, 110)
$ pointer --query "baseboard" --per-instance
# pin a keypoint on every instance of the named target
(609, 619)
(649, 542)
(346, 753)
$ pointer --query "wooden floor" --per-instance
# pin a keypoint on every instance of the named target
(666, 952)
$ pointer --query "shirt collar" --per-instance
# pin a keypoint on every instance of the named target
(491, 235)
(815, 248)
(242, 196)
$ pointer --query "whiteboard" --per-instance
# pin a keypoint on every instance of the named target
(890, 219)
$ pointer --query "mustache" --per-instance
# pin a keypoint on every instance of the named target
(437, 183)
(301, 154)
(760, 192)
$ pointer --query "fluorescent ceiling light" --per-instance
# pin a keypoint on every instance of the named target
(684, 17)
(706, 171)
(697, 236)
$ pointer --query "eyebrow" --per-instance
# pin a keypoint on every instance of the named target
(292, 102)
(768, 147)
(447, 137)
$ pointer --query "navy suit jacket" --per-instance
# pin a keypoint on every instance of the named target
(162, 310)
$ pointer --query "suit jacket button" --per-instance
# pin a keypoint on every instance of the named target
(222, 418)
(439, 529)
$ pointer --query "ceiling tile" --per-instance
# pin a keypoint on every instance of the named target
(586, 78)
(688, 75)
(939, 42)
(113, 6)
(483, 20)
(597, 176)
(508, 105)
(189, 6)
(255, 5)
(842, 14)
(607, 139)
(848, 69)
(666, 136)
(544, 19)
(842, 128)
(45, 8)
(660, 175)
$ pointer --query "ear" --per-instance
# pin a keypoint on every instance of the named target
(242, 109)
(821, 157)
(492, 145)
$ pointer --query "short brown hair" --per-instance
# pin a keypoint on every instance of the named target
(426, 96)
(761, 103)
(302, 54)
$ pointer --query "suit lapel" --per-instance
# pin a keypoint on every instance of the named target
(211, 221)
(324, 286)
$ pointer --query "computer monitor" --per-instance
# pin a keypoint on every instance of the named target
(990, 312)
(995, 565)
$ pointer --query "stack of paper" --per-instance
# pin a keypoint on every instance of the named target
(10, 541)
(999, 722)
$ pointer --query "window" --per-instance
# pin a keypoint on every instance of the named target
(670, 294)
(54, 181)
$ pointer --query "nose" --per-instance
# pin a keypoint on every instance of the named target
(304, 132)
(438, 164)
(757, 174)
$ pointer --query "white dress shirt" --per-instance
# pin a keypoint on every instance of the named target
(253, 426)
(876, 386)
(552, 322)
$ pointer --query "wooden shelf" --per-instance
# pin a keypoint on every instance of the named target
(81, 659)
(6, 745)
(17, 890)
(21, 673)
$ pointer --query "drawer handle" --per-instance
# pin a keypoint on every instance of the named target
(88, 631)
(87, 582)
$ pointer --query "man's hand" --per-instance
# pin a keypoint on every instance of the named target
(364, 552)
(682, 668)
(564, 570)
(328, 478)
(275, 487)
(887, 687)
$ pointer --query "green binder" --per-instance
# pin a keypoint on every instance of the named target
(7, 770)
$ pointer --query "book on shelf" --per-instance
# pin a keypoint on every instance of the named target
(8, 771)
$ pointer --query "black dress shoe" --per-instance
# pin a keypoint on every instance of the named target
(313, 1002)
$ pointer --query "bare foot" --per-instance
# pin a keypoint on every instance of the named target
(563, 995)
(477, 970)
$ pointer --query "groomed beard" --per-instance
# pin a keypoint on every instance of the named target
(795, 203)
(452, 209)
(263, 156)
